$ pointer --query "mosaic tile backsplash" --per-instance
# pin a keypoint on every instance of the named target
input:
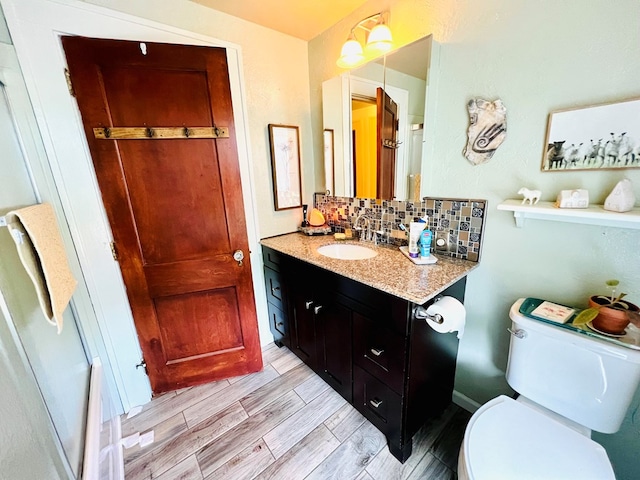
(462, 220)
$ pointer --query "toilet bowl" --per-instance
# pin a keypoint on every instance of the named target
(507, 439)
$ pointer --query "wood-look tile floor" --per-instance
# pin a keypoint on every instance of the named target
(283, 423)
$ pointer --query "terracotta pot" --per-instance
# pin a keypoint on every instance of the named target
(611, 320)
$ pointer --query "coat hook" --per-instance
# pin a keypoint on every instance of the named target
(149, 132)
(216, 130)
(107, 132)
(187, 132)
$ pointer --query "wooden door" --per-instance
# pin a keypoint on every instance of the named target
(174, 205)
(386, 146)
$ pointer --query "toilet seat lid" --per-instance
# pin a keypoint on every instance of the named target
(506, 439)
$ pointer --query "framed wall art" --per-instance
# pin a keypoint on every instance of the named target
(285, 163)
(593, 138)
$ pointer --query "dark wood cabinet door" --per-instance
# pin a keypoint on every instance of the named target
(333, 322)
(302, 325)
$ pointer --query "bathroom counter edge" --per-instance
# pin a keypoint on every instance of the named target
(389, 271)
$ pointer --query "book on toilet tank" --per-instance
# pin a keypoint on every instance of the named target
(553, 312)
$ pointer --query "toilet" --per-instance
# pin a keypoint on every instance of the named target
(569, 384)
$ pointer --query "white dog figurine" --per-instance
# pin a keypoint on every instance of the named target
(532, 195)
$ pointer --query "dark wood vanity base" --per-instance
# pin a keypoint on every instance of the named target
(366, 344)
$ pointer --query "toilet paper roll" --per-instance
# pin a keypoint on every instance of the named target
(453, 316)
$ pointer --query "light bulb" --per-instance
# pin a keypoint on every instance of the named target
(379, 40)
(351, 53)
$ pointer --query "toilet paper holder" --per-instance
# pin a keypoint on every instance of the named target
(420, 313)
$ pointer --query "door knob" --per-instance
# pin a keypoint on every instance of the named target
(238, 255)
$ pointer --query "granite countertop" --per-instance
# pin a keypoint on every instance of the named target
(389, 271)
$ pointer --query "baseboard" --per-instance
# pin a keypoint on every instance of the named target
(465, 402)
(91, 463)
(103, 455)
(118, 451)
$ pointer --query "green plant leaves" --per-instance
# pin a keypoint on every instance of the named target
(585, 316)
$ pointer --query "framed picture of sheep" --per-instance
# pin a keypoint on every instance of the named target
(593, 138)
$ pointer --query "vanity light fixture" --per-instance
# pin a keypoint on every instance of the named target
(378, 41)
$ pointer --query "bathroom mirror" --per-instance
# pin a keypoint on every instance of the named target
(351, 109)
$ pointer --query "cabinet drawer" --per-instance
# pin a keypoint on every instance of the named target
(271, 259)
(381, 405)
(273, 283)
(277, 324)
(380, 351)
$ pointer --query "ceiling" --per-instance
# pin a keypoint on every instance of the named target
(304, 19)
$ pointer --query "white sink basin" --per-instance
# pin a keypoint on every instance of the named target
(347, 251)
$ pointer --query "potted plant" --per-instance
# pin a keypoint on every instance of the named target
(609, 314)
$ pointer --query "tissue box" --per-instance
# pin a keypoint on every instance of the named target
(573, 199)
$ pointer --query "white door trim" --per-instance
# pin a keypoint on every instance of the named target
(36, 27)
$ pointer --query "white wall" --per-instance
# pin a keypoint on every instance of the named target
(4, 31)
(537, 57)
(276, 80)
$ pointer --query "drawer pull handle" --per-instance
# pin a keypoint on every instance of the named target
(317, 309)
(279, 324)
(307, 305)
(275, 289)
(375, 403)
(377, 352)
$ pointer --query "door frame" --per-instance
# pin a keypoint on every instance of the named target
(367, 88)
(36, 27)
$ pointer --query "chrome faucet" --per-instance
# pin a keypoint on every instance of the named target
(374, 234)
(367, 223)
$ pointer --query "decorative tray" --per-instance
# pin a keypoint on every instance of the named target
(321, 230)
(630, 338)
(431, 259)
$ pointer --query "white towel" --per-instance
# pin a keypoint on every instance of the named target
(39, 244)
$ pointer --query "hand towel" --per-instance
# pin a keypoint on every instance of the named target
(39, 243)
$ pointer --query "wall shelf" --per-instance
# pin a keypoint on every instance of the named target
(594, 215)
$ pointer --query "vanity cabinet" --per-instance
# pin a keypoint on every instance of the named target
(367, 345)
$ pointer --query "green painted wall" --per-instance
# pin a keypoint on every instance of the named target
(27, 449)
(51, 378)
(4, 31)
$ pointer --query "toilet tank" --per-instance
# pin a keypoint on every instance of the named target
(585, 379)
